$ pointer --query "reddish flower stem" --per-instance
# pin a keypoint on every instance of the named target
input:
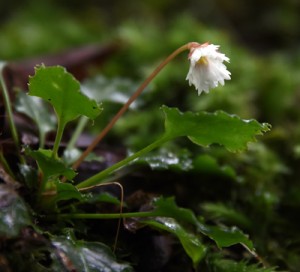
(129, 102)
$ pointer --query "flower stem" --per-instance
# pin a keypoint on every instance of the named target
(98, 178)
(129, 102)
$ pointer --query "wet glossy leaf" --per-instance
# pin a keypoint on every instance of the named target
(167, 207)
(14, 214)
(49, 166)
(166, 159)
(223, 237)
(55, 85)
(190, 242)
(85, 257)
(36, 109)
(205, 128)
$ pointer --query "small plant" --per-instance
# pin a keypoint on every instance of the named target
(57, 201)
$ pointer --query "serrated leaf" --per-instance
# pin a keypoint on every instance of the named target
(85, 257)
(225, 237)
(36, 109)
(55, 85)
(205, 128)
(50, 167)
(190, 242)
(14, 214)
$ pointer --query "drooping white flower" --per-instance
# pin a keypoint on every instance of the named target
(206, 67)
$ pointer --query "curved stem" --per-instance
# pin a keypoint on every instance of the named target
(96, 179)
(129, 102)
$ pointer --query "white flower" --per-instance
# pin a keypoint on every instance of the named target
(206, 67)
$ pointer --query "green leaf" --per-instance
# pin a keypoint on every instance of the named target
(205, 128)
(84, 256)
(165, 159)
(66, 191)
(223, 265)
(36, 109)
(50, 167)
(55, 85)
(223, 236)
(167, 207)
(190, 242)
(59, 191)
(103, 197)
(14, 214)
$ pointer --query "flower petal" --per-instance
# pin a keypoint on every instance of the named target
(207, 70)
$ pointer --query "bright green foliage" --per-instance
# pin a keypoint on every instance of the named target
(36, 109)
(14, 215)
(73, 255)
(205, 128)
(58, 87)
(190, 242)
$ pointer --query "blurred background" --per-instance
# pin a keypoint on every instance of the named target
(262, 40)
(262, 26)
